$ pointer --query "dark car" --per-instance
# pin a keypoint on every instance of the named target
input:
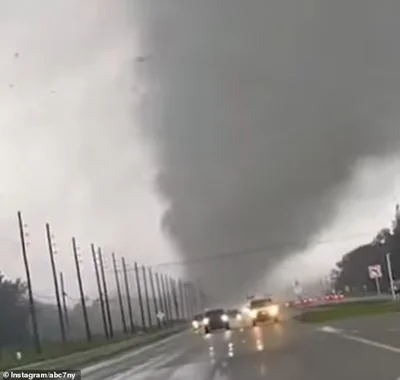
(234, 314)
(215, 319)
(264, 309)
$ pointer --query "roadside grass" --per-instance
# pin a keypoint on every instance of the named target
(79, 353)
(347, 310)
(334, 304)
(51, 350)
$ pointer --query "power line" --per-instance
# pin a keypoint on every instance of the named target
(252, 251)
(231, 254)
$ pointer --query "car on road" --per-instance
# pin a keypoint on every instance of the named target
(236, 317)
(263, 310)
(333, 297)
(291, 303)
(215, 319)
(197, 322)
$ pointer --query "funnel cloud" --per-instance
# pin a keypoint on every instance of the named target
(260, 110)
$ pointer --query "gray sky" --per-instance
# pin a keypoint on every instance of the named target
(263, 108)
(71, 149)
(246, 121)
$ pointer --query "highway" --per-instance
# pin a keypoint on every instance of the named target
(362, 349)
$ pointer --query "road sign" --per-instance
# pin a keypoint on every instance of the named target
(297, 288)
(374, 271)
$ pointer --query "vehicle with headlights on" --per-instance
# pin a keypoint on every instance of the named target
(236, 318)
(197, 322)
(215, 319)
(263, 310)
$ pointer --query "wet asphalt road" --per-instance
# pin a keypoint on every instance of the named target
(289, 351)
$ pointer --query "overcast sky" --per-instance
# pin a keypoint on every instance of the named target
(174, 130)
(71, 151)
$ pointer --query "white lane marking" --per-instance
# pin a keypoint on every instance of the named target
(329, 329)
(368, 342)
(134, 352)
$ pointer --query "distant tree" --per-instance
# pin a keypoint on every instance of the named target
(14, 315)
(353, 267)
(382, 237)
(48, 322)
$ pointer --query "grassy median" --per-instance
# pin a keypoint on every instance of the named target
(349, 310)
(78, 354)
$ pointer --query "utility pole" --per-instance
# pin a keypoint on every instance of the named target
(182, 299)
(64, 301)
(32, 308)
(103, 276)
(189, 301)
(153, 293)
(56, 289)
(197, 300)
(121, 304)
(175, 298)
(82, 294)
(168, 290)
(193, 297)
(389, 265)
(160, 298)
(165, 298)
(201, 295)
(378, 286)
(139, 292)
(101, 299)
(146, 294)
(128, 296)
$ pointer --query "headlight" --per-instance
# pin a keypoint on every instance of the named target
(239, 317)
(224, 318)
(206, 321)
(195, 324)
(273, 310)
(253, 313)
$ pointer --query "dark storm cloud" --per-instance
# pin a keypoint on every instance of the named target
(260, 109)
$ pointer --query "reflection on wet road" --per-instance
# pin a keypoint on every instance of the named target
(285, 352)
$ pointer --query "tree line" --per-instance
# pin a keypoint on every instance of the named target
(26, 321)
(16, 325)
(351, 272)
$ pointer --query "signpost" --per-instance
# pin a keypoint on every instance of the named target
(375, 273)
(161, 316)
(297, 289)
